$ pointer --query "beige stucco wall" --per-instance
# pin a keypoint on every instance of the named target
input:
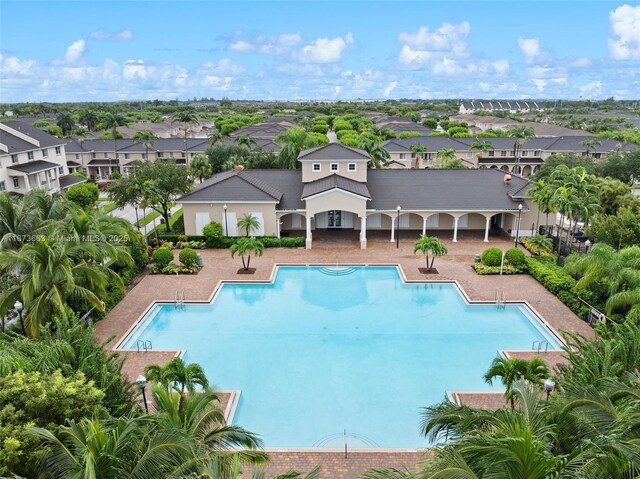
(309, 175)
(336, 200)
(216, 213)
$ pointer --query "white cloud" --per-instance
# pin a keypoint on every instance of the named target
(447, 38)
(501, 67)
(14, 66)
(137, 69)
(241, 46)
(224, 67)
(274, 45)
(389, 88)
(625, 27)
(530, 48)
(581, 62)
(325, 50)
(75, 52)
(591, 90)
(121, 36)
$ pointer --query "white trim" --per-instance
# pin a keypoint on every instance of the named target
(335, 188)
(319, 165)
(227, 202)
(332, 165)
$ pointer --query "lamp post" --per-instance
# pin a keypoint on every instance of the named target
(226, 226)
(549, 385)
(19, 307)
(518, 225)
(141, 381)
(398, 227)
(587, 245)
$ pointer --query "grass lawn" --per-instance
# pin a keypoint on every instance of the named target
(172, 221)
(107, 208)
(148, 218)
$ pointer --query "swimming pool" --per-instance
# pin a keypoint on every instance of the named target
(322, 350)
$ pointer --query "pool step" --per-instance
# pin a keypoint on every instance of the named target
(338, 270)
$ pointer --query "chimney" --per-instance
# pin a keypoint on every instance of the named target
(240, 168)
(507, 179)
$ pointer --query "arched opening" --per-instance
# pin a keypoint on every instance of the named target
(292, 224)
(504, 168)
(495, 167)
(526, 171)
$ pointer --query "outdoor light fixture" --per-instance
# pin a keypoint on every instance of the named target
(587, 245)
(19, 307)
(518, 225)
(141, 381)
(398, 227)
(549, 386)
(226, 226)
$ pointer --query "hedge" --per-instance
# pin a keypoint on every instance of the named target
(227, 241)
(555, 279)
(480, 268)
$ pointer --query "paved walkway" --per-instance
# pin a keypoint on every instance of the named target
(218, 266)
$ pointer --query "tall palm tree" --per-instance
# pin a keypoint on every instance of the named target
(521, 135)
(513, 369)
(201, 167)
(245, 247)
(293, 141)
(378, 154)
(113, 121)
(245, 141)
(178, 375)
(481, 146)
(186, 117)
(419, 149)
(66, 123)
(214, 136)
(249, 224)
(543, 195)
(146, 137)
(590, 144)
(88, 118)
(429, 244)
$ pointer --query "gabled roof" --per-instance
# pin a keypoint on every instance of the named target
(70, 180)
(333, 151)
(333, 182)
(233, 185)
(15, 144)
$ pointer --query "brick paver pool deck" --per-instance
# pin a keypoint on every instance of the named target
(455, 265)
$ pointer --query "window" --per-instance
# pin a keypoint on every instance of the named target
(525, 152)
(58, 150)
(428, 156)
(183, 154)
(160, 154)
(316, 167)
(503, 153)
(48, 173)
(30, 155)
(16, 182)
(144, 156)
(77, 156)
(352, 167)
(60, 170)
(45, 153)
(402, 156)
(126, 156)
(14, 158)
(536, 153)
(2, 186)
(491, 153)
(93, 154)
(413, 155)
(334, 166)
(469, 155)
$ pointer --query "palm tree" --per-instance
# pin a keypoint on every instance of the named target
(543, 195)
(65, 122)
(127, 448)
(19, 219)
(177, 374)
(379, 156)
(429, 244)
(445, 156)
(201, 167)
(481, 146)
(513, 369)
(590, 144)
(293, 141)
(113, 121)
(246, 246)
(186, 117)
(249, 223)
(88, 118)
(147, 138)
(245, 141)
(521, 134)
(419, 149)
(454, 164)
(214, 136)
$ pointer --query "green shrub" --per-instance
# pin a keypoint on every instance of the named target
(516, 258)
(212, 232)
(162, 256)
(492, 257)
(484, 269)
(409, 134)
(188, 257)
(293, 242)
(84, 195)
(538, 245)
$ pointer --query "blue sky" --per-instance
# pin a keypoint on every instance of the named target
(92, 50)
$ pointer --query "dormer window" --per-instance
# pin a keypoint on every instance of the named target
(316, 167)
(352, 167)
(334, 166)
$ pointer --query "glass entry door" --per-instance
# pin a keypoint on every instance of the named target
(335, 219)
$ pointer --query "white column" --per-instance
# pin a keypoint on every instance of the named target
(308, 241)
(455, 228)
(363, 232)
(393, 229)
(277, 226)
(424, 226)
(486, 229)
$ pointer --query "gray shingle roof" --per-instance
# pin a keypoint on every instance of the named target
(70, 180)
(16, 144)
(33, 166)
(335, 182)
(234, 186)
(333, 151)
(463, 189)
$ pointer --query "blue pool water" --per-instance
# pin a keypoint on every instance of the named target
(324, 350)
